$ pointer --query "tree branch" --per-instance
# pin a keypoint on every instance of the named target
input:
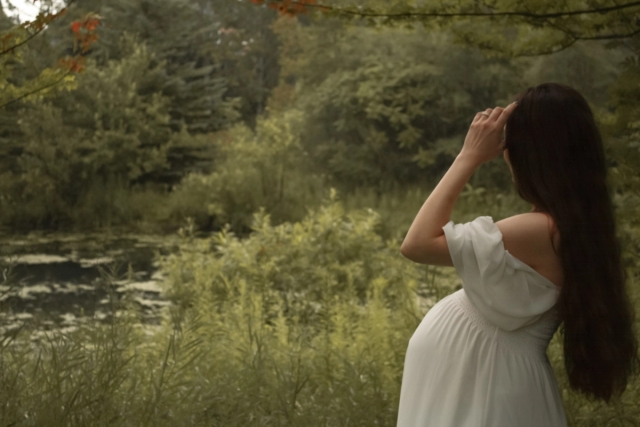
(38, 31)
(17, 45)
(526, 14)
(522, 14)
(612, 36)
(23, 96)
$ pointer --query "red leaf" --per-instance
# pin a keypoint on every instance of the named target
(75, 26)
(91, 24)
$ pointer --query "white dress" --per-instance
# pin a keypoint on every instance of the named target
(478, 358)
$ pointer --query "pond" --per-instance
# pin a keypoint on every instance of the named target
(57, 281)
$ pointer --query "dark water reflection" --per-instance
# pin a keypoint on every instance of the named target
(57, 282)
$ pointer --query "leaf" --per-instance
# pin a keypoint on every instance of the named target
(75, 26)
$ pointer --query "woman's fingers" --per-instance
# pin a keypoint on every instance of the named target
(501, 119)
(482, 114)
(496, 113)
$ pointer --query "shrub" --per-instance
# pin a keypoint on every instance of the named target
(305, 323)
(265, 168)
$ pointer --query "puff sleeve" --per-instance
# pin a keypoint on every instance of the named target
(505, 290)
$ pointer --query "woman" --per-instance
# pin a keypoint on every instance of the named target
(478, 358)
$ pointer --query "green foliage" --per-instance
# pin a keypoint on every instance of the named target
(398, 208)
(622, 129)
(391, 107)
(247, 50)
(501, 26)
(312, 263)
(220, 57)
(14, 83)
(589, 67)
(305, 321)
(111, 127)
(261, 168)
(302, 324)
(391, 112)
(84, 171)
(98, 375)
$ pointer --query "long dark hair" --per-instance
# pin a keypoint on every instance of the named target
(558, 163)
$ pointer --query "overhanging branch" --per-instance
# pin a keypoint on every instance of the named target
(470, 14)
(38, 30)
(33, 92)
(25, 41)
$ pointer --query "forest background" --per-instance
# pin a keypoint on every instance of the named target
(290, 144)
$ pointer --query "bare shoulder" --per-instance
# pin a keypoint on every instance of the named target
(531, 237)
(526, 225)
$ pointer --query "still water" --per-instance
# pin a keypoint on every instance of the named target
(57, 282)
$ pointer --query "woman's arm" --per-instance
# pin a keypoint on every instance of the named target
(425, 241)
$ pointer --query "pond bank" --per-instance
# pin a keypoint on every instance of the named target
(55, 279)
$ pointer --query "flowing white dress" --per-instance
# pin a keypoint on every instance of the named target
(478, 358)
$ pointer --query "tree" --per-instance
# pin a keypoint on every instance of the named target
(225, 47)
(247, 50)
(114, 127)
(178, 35)
(381, 107)
(21, 81)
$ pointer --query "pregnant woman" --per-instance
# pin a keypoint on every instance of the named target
(478, 358)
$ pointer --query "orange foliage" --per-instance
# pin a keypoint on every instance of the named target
(85, 32)
(74, 64)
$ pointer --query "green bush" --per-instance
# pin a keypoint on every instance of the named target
(306, 323)
(261, 168)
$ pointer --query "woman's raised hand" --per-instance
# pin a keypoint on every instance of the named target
(484, 139)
